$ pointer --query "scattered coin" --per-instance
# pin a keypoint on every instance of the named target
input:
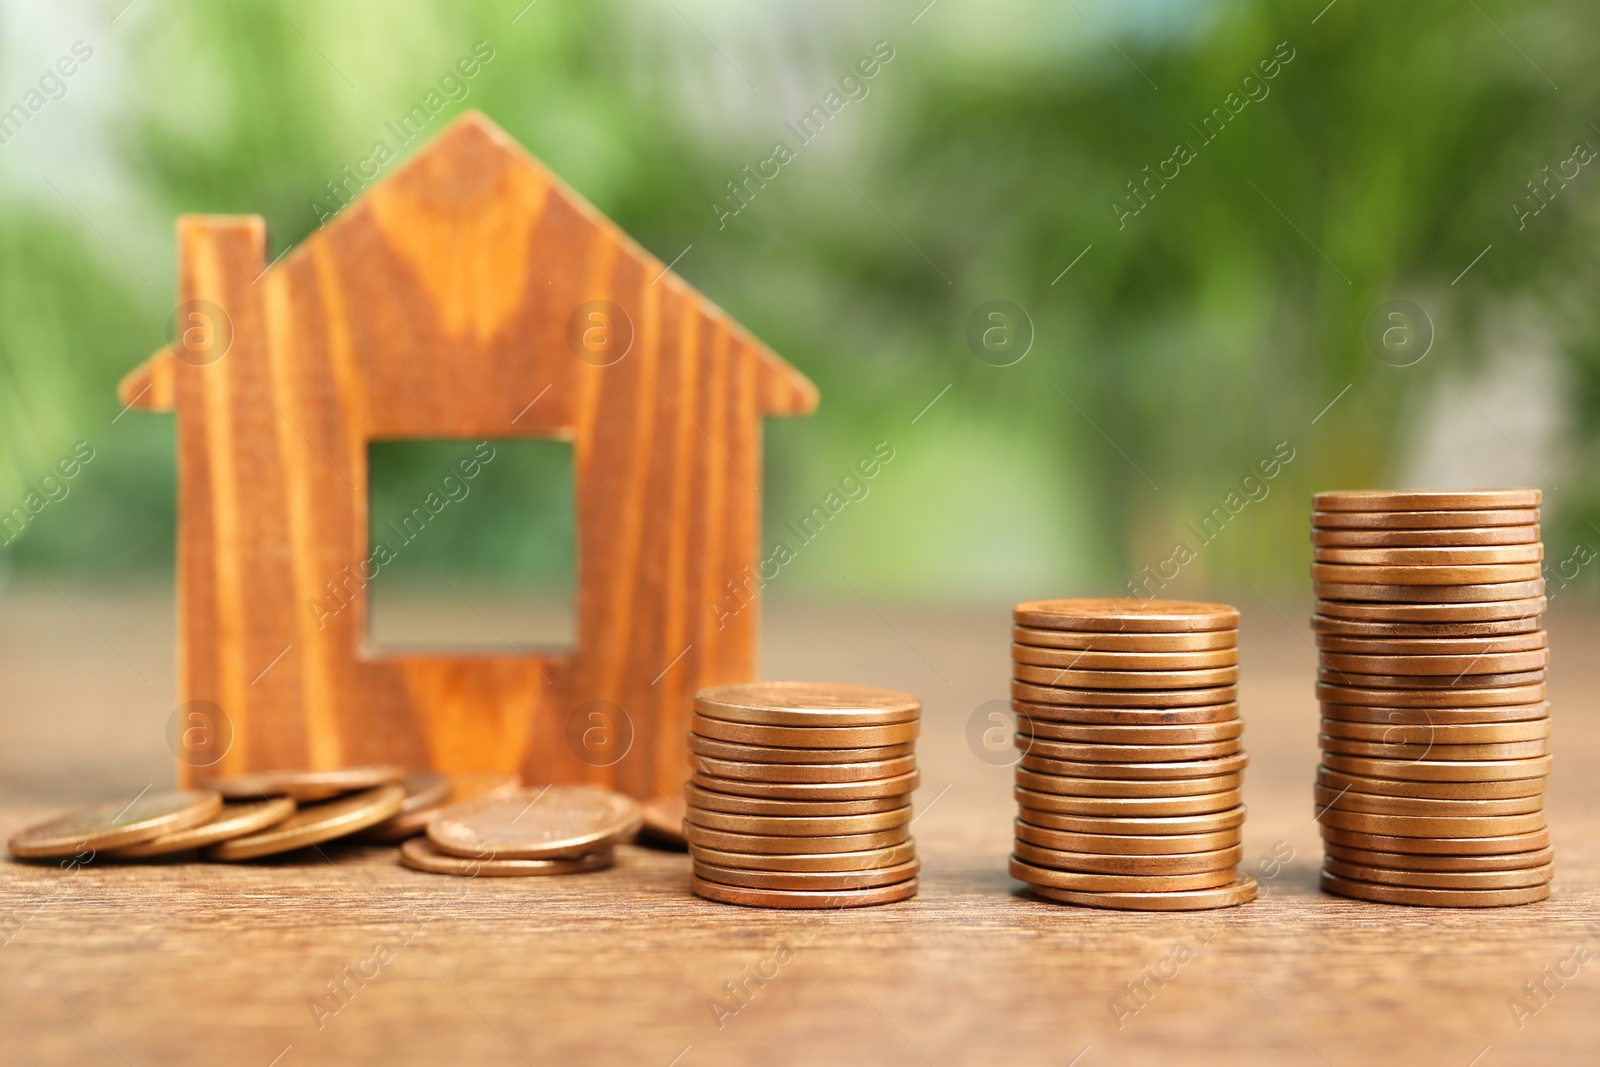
(305, 785)
(661, 820)
(233, 820)
(313, 824)
(1241, 892)
(552, 822)
(419, 854)
(426, 793)
(116, 824)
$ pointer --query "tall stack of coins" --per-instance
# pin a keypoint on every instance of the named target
(1434, 721)
(1128, 720)
(800, 795)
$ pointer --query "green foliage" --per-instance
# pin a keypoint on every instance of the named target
(1187, 342)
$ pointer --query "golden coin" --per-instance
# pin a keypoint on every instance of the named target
(1435, 556)
(1432, 683)
(803, 772)
(1030, 812)
(426, 793)
(1501, 696)
(1120, 680)
(1067, 785)
(1469, 537)
(1350, 627)
(1452, 827)
(1424, 520)
(729, 841)
(1431, 577)
(661, 820)
(1067, 713)
(312, 824)
(1350, 800)
(116, 824)
(1443, 732)
(1104, 753)
(1241, 892)
(1424, 499)
(1441, 846)
(234, 820)
(1433, 898)
(1406, 861)
(1126, 615)
(1440, 770)
(733, 750)
(710, 800)
(807, 880)
(1441, 879)
(1180, 734)
(1482, 662)
(901, 785)
(1507, 713)
(419, 854)
(798, 898)
(463, 786)
(1154, 865)
(806, 704)
(1450, 598)
(817, 862)
(798, 737)
(1505, 789)
(305, 785)
(1126, 844)
(552, 822)
(1200, 641)
(1205, 768)
(1088, 660)
(1038, 788)
(1536, 641)
(801, 825)
(1034, 874)
(1431, 750)
(1125, 698)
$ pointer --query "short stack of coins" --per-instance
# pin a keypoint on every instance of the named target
(1435, 728)
(800, 795)
(1128, 787)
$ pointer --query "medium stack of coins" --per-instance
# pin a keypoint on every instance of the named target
(1128, 720)
(801, 795)
(1434, 721)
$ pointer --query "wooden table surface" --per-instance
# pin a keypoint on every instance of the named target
(187, 963)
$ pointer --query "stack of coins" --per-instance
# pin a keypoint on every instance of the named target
(801, 795)
(1434, 721)
(1128, 721)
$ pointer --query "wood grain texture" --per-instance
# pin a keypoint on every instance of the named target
(192, 964)
(437, 305)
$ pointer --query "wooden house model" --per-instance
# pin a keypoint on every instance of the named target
(469, 295)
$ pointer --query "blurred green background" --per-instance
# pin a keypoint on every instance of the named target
(1308, 163)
